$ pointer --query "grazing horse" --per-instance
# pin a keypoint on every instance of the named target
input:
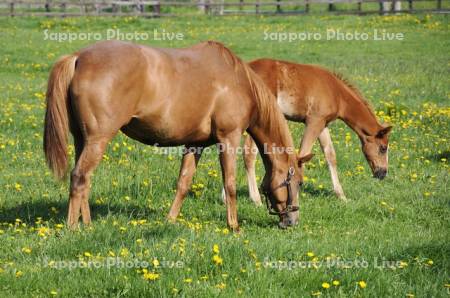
(197, 96)
(316, 97)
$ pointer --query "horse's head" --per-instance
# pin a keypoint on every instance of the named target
(281, 189)
(375, 149)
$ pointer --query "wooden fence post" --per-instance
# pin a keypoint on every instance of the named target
(278, 7)
(47, 6)
(439, 4)
(410, 5)
(157, 9)
(382, 7)
(359, 6)
(331, 6)
(63, 8)
(11, 9)
(257, 7)
(207, 7)
(306, 6)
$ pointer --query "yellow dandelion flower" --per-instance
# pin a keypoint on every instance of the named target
(336, 283)
(217, 260)
(216, 249)
(26, 250)
(124, 252)
(53, 293)
(325, 285)
(151, 276)
(221, 286)
(362, 284)
(155, 263)
(188, 280)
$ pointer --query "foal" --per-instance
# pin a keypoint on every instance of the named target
(196, 97)
(316, 97)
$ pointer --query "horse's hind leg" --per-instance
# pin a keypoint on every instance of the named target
(89, 155)
(330, 155)
(188, 167)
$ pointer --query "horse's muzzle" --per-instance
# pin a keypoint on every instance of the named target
(287, 222)
(380, 173)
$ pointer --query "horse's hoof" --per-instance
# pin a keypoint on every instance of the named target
(171, 219)
(343, 198)
(235, 229)
(73, 226)
(258, 203)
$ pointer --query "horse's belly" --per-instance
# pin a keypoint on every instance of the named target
(165, 134)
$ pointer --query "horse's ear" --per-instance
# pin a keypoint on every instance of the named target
(304, 159)
(384, 131)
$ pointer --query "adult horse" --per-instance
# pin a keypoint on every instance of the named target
(316, 97)
(196, 96)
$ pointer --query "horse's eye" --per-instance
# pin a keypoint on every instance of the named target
(383, 149)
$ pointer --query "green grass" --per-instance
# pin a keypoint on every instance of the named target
(404, 218)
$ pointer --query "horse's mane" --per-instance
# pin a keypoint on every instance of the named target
(268, 112)
(354, 89)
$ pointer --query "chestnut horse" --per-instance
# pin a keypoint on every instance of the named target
(316, 97)
(196, 97)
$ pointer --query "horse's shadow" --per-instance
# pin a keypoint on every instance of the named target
(317, 192)
(439, 157)
(56, 211)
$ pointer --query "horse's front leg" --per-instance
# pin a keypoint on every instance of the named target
(228, 147)
(187, 170)
(330, 155)
(250, 151)
(314, 127)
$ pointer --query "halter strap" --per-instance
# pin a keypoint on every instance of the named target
(289, 208)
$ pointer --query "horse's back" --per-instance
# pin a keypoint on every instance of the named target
(166, 96)
(302, 90)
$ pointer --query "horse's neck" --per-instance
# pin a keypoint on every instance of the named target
(273, 147)
(358, 116)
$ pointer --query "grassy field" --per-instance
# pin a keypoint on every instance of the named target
(391, 240)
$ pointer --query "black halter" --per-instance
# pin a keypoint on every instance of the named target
(289, 208)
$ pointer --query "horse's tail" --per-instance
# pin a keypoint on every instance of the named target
(56, 127)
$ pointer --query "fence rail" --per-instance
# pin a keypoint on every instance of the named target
(156, 8)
